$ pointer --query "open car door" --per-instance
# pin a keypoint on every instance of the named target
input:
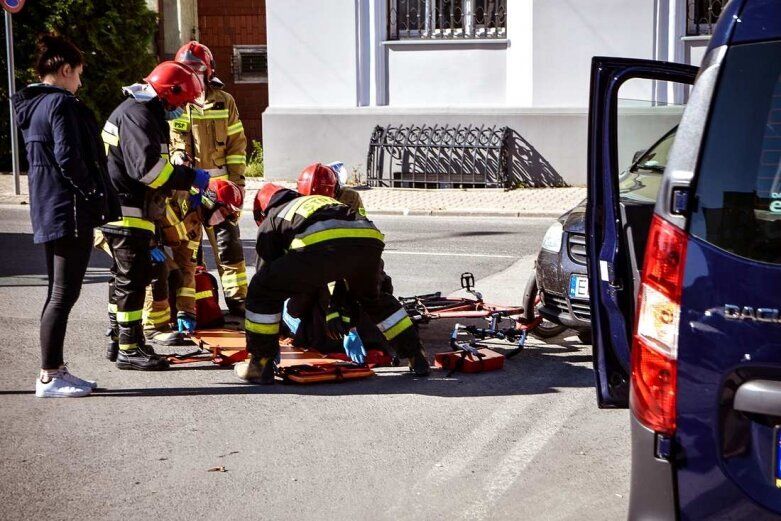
(613, 261)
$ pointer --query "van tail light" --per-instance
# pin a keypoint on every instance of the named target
(655, 340)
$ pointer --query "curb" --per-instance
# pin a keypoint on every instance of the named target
(461, 213)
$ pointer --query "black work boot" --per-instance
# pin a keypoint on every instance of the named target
(418, 362)
(142, 358)
(112, 349)
(256, 370)
(236, 307)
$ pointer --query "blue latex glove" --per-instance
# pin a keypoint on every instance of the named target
(291, 321)
(353, 346)
(158, 255)
(186, 323)
(200, 183)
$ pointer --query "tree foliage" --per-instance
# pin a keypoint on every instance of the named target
(115, 36)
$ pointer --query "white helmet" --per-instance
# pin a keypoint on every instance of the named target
(340, 170)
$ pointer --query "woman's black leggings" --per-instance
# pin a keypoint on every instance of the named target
(66, 263)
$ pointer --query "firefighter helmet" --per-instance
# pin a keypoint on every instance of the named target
(222, 193)
(175, 84)
(198, 57)
(263, 199)
(317, 179)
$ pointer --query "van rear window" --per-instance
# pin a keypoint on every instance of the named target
(739, 179)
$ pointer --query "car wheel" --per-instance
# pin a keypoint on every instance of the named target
(531, 301)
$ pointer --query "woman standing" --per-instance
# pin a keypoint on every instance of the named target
(69, 196)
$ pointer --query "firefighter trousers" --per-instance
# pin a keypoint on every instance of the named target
(304, 273)
(131, 272)
(229, 256)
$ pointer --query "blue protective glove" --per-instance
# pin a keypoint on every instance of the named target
(353, 346)
(200, 183)
(186, 323)
(157, 255)
(291, 321)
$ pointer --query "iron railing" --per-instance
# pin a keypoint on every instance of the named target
(701, 16)
(439, 156)
(447, 19)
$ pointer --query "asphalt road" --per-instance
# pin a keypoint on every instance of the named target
(526, 442)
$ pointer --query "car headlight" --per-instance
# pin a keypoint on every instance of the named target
(552, 239)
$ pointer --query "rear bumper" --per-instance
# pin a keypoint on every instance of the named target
(652, 495)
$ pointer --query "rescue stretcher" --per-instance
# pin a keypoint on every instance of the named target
(226, 347)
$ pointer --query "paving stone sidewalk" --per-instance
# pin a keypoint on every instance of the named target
(524, 202)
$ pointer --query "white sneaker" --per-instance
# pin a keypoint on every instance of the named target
(75, 380)
(59, 387)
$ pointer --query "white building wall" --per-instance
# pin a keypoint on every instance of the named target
(312, 60)
(333, 77)
(568, 33)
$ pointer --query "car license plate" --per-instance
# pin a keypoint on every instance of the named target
(578, 286)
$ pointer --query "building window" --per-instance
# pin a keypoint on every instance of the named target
(447, 19)
(701, 16)
(250, 64)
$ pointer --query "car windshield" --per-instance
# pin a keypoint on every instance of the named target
(640, 182)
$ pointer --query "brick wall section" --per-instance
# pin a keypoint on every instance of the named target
(227, 23)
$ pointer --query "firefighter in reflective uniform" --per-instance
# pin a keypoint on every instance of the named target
(212, 137)
(180, 231)
(136, 138)
(305, 242)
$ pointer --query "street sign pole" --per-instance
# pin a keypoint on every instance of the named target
(9, 46)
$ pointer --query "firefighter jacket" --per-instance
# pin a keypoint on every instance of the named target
(308, 223)
(350, 197)
(212, 138)
(136, 139)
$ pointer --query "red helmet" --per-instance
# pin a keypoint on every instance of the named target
(198, 57)
(174, 83)
(317, 179)
(262, 200)
(225, 194)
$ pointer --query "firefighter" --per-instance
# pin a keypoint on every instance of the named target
(180, 231)
(320, 179)
(305, 242)
(212, 137)
(136, 139)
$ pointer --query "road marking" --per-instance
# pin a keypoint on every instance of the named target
(441, 254)
(550, 421)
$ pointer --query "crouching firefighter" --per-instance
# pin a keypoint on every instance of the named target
(180, 231)
(305, 242)
(136, 139)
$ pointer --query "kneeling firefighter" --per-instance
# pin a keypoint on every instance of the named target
(180, 230)
(304, 243)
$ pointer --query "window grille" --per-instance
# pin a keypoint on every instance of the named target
(701, 16)
(250, 64)
(447, 19)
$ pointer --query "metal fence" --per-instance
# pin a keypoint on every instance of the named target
(447, 19)
(439, 157)
(701, 16)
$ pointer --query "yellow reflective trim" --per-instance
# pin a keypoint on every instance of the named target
(156, 320)
(362, 211)
(236, 160)
(261, 329)
(399, 328)
(203, 294)
(165, 174)
(133, 222)
(129, 316)
(112, 308)
(336, 233)
(109, 139)
(346, 319)
(160, 313)
(186, 292)
(234, 279)
(193, 245)
(222, 176)
(127, 347)
(331, 316)
(235, 128)
(306, 206)
(211, 114)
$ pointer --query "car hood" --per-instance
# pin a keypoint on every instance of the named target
(574, 221)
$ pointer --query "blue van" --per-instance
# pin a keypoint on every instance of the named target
(688, 333)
